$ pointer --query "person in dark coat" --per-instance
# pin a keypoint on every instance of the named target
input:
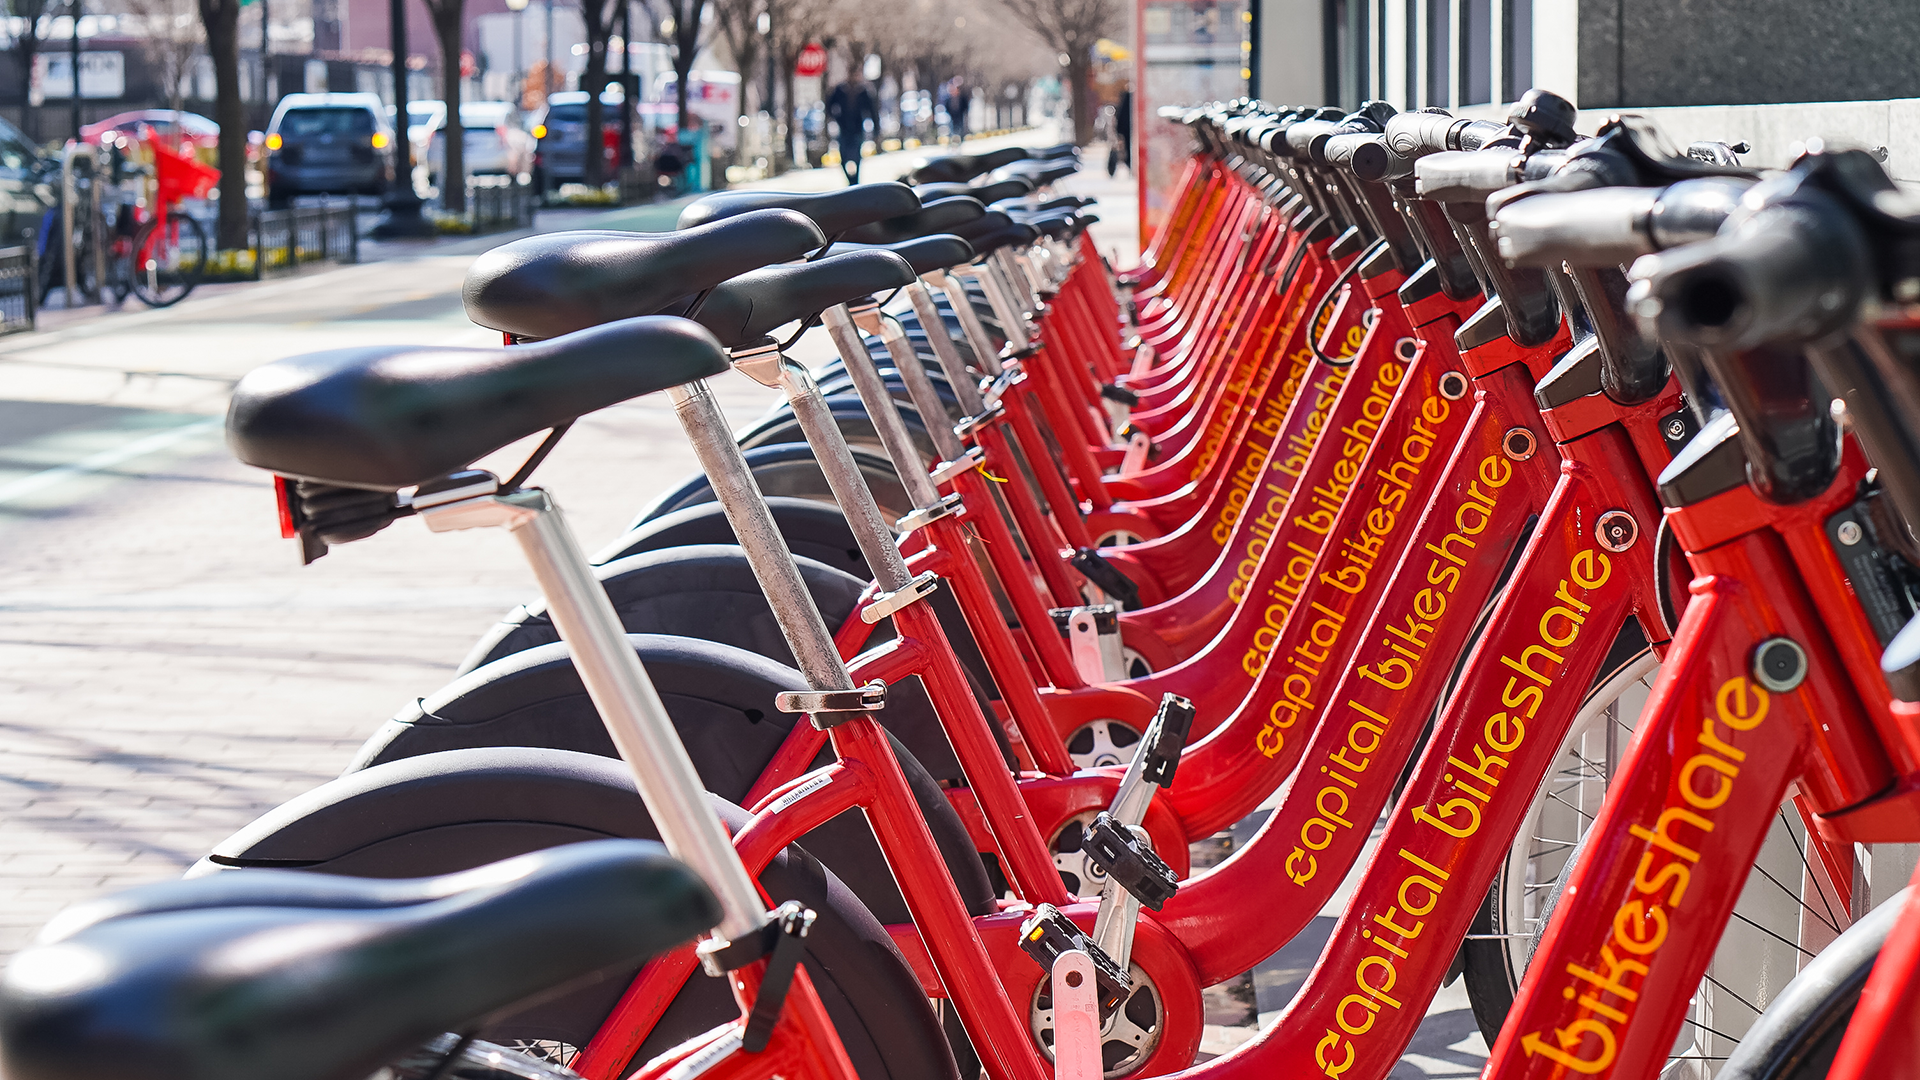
(852, 105)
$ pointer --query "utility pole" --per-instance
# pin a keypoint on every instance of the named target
(266, 50)
(773, 114)
(73, 59)
(402, 216)
(548, 88)
(629, 89)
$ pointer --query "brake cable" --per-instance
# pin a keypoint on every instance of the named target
(1327, 300)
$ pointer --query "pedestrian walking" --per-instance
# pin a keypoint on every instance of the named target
(851, 105)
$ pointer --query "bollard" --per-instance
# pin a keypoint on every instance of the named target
(1076, 1019)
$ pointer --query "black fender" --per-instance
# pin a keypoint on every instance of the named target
(452, 811)
(789, 469)
(813, 530)
(706, 590)
(850, 416)
(721, 700)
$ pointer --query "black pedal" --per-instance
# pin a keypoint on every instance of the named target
(1107, 578)
(1047, 933)
(1165, 738)
(1129, 862)
(1119, 395)
(788, 930)
(1153, 448)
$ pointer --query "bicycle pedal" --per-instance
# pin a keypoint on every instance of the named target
(1130, 862)
(1165, 739)
(1047, 933)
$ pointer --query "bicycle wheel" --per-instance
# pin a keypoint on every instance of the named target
(1782, 918)
(1799, 1034)
(169, 255)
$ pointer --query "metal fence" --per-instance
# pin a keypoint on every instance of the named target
(17, 279)
(494, 206)
(285, 239)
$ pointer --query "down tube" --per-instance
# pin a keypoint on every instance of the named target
(1401, 663)
(1684, 818)
(1499, 734)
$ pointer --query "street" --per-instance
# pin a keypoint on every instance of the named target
(168, 670)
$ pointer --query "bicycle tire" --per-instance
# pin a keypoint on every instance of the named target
(461, 809)
(1799, 1034)
(790, 469)
(182, 276)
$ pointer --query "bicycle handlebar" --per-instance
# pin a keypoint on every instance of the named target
(1790, 273)
(1413, 134)
(1367, 156)
(1587, 228)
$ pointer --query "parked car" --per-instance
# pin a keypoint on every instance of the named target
(328, 143)
(492, 142)
(560, 131)
(29, 187)
(171, 126)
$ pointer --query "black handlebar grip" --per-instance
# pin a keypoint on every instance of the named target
(1789, 274)
(1301, 135)
(1411, 134)
(1465, 176)
(1474, 135)
(1693, 210)
(1367, 156)
(1602, 227)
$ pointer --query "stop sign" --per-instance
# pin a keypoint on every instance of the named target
(812, 61)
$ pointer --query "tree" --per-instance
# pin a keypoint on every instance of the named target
(681, 28)
(598, 16)
(172, 42)
(449, 17)
(222, 21)
(739, 22)
(29, 12)
(1071, 27)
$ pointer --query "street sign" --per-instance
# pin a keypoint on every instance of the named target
(812, 61)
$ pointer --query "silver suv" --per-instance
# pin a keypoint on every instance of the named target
(333, 143)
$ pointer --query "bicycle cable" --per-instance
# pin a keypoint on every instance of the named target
(1327, 301)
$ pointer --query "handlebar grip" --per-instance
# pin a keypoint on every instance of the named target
(1602, 227)
(1474, 135)
(1790, 273)
(1465, 176)
(1300, 136)
(1411, 134)
(1693, 210)
(1367, 156)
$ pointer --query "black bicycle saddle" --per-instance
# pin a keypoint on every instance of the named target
(960, 167)
(834, 211)
(1039, 173)
(925, 254)
(1017, 234)
(753, 305)
(544, 286)
(1054, 223)
(933, 217)
(990, 193)
(388, 417)
(991, 221)
(312, 977)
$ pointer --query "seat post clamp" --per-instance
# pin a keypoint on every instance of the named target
(885, 604)
(971, 424)
(947, 470)
(782, 941)
(928, 514)
(831, 708)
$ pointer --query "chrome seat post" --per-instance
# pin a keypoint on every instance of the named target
(954, 285)
(629, 706)
(766, 549)
(962, 381)
(926, 400)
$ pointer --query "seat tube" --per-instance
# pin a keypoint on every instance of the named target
(951, 365)
(926, 400)
(977, 339)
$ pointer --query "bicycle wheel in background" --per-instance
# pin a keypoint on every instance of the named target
(169, 255)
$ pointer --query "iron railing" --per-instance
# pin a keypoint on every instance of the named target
(18, 277)
(283, 240)
(495, 204)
